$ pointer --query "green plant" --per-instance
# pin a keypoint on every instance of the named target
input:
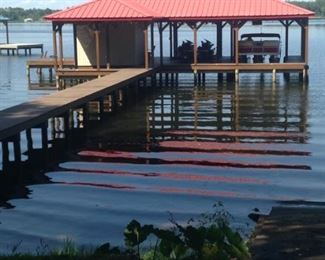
(209, 237)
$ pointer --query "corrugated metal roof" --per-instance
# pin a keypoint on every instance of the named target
(133, 10)
(104, 10)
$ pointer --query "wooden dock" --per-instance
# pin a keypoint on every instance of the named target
(252, 68)
(40, 64)
(27, 115)
(66, 73)
(47, 63)
(37, 113)
(14, 48)
(290, 233)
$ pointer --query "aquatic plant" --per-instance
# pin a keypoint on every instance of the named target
(209, 237)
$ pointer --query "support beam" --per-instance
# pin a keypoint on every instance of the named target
(219, 40)
(286, 40)
(5, 154)
(55, 46)
(61, 46)
(236, 36)
(274, 75)
(7, 31)
(97, 39)
(286, 24)
(231, 41)
(75, 45)
(160, 27)
(29, 138)
(194, 28)
(146, 51)
(175, 32)
(170, 40)
(306, 34)
(152, 36)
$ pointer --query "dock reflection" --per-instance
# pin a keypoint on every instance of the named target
(216, 124)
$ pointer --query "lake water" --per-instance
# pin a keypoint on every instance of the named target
(177, 149)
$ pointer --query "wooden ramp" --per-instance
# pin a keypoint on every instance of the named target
(30, 114)
(290, 233)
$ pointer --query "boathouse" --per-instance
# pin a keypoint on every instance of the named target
(112, 34)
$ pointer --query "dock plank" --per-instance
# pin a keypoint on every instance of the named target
(30, 114)
(48, 63)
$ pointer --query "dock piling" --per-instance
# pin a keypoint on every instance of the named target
(29, 142)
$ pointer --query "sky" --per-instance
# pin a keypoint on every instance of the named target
(52, 4)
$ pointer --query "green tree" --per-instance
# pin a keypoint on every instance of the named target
(16, 14)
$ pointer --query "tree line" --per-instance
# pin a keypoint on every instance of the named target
(317, 6)
(16, 14)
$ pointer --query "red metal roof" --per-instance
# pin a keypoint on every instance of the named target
(135, 10)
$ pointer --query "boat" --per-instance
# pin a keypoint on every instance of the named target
(260, 45)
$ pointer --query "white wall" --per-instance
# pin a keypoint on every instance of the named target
(86, 45)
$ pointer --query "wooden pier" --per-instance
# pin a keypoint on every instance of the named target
(50, 64)
(35, 114)
(273, 68)
(14, 48)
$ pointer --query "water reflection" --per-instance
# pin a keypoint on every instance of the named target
(179, 149)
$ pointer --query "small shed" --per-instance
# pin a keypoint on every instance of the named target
(4, 21)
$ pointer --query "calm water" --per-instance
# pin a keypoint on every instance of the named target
(177, 149)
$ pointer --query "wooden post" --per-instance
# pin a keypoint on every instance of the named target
(55, 47)
(44, 136)
(236, 31)
(152, 33)
(161, 43)
(17, 149)
(170, 40)
(29, 142)
(219, 40)
(175, 38)
(231, 41)
(66, 120)
(306, 43)
(97, 49)
(146, 57)
(194, 28)
(286, 39)
(274, 75)
(75, 45)
(7, 31)
(5, 155)
(61, 46)
(101, 106)
(236, 75)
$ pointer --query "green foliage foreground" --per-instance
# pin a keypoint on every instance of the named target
(209, 237)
